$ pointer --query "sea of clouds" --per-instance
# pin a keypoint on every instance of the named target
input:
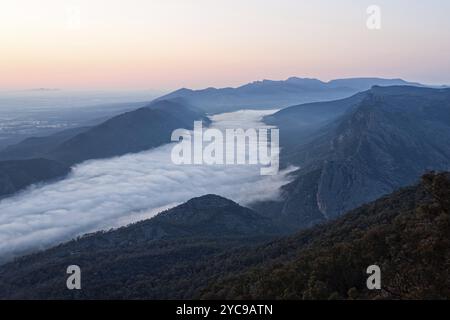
(104, 194)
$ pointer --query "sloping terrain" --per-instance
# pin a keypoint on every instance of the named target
(34, 147)
(300, 122)
(18, 174)
(133, 131)
(154, 258)
(406, 234)
(130, 132)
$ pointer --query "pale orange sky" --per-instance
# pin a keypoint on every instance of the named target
(166, 44)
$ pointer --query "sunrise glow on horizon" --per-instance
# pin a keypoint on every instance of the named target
(166, 44)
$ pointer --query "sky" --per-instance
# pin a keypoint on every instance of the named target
(167, 44)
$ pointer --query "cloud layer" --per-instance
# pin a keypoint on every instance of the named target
(103, 194)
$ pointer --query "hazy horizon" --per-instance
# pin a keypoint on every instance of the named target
(165, 45)
(163, 91)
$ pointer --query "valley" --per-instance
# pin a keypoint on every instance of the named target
(110, 193)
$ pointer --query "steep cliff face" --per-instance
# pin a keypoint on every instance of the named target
(387, 141)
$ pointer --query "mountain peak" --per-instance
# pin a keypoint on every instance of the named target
(206, 216)
(183, 91)
(209, 208)
(211, 200)
(298, 80)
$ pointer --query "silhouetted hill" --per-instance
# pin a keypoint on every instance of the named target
(406, 234)
(386, 141)
(269, 94)
(151, 256)
(18, 174)
(133, 131)
(213, 216)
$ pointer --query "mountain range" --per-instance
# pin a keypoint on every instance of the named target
(352, 202)
(151, 126)
(380, 140)
(271, 94)
(350, 151)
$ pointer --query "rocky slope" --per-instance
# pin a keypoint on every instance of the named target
(384, 142)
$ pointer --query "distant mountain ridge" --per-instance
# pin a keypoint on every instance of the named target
(269, 94)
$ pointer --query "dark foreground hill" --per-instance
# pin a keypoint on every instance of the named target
(154, 258)
(406, 233)
(385, 141)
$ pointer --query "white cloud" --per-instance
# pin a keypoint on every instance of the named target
(101, 194)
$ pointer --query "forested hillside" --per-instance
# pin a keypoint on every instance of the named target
(407, 234)
(212, 248)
